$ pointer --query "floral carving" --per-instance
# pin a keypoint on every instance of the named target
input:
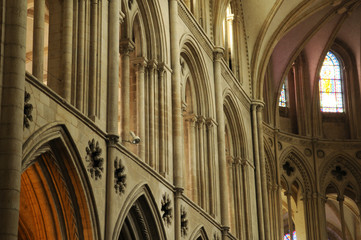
(28, 109)
(166, 209)
(184, 222)
(95, 166)
(120, 178)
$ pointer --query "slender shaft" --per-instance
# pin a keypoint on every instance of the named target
(218, 53)
(93, 59)
(262, 161)
(38, 43)
(67, 47)
(176, 112)
(258, 173)
(112, 112)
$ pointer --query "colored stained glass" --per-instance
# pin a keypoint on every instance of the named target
(283, 100)
(331, 96)
(288, 236)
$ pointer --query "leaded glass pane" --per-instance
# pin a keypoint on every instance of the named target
(331, 97)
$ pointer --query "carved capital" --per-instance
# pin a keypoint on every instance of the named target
(152, 64)
(126, 46)
(112, 139)
(218, 53)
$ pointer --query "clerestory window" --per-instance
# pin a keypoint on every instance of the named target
(330, 85)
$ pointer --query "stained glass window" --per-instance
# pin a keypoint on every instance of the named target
(331, 96)
(282, 102)
(288, 236)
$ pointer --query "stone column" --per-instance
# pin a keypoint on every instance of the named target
(262, 161)
(247, 200)
(324, 221)
(139, 66)
(126, 46)
(342, 214)
(112, 112)
(152, 66)
(81, 57)
(218, 53)
(193, 157)
(93, 59)
(211, 143)
(176, 112)
(289, 209)
(258, 172)
(67, 48)
(162, 120)
(12, 117)
(201, 160)
(38, 42)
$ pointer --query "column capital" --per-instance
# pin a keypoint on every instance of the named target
(112, 139)
(201, 121)
(163, 67)
(218, 53)
(152, 64)
(126, 46)
(210, 123)
(143, 61)
(257, 105)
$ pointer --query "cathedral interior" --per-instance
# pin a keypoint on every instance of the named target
(180, 119)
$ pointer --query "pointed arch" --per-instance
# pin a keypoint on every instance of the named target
(305, 177)
(233, 115)
(51, 157)
(347, 163)
(199, 233)
(140, 207)
(191, 53)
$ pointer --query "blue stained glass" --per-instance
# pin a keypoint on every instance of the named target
(330, 87)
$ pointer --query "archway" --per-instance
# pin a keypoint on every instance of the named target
(139, 223)
(55, 195)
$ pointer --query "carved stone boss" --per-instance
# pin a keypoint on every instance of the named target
(95, 160)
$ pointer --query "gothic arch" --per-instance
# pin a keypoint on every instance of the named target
(148, 13)
(346, 163)
(192, 56)
(233, 115)
(50, 158)
(140, 207)
(199, 234)
(304, 176)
